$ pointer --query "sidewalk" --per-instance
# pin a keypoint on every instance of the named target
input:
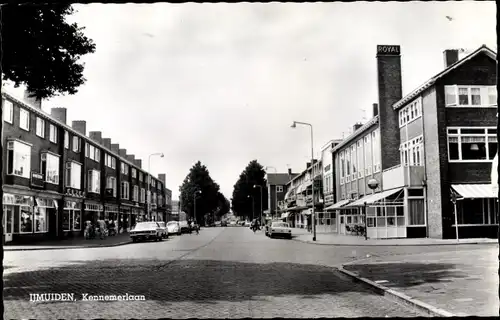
(75, 243)
(352, 240)
(464, 283)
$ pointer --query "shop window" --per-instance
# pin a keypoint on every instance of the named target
(401, 221)
(416, 212)
(18, 159)
(391, 221)
(26, 219)
(40, 219)
(381, 222)
(470, 211)
(371, 222)
(67, 219)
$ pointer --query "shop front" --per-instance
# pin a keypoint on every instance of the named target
(71, 218)
(141, 215)
(93, 212)
(134, 217)
(124, 219)
(111, 213)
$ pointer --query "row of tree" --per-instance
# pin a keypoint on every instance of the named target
(247, 196)
(199, 191)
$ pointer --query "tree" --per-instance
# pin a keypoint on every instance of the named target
(41, 50)
(223, 206)
(254, 174)
(199, 179)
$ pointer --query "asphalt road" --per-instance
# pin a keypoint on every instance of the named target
(220, 273)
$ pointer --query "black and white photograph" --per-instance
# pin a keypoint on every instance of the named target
(249, 160)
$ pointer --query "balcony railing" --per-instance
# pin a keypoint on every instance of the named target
(401, 176)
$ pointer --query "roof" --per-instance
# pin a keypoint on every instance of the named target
(278, 178)
(329, 144)
(356, 133)
(70, 129)
(303, 172)
(481, 50)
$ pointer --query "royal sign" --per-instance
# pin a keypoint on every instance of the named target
(388, 50)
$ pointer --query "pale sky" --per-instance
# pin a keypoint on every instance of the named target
(221, 83)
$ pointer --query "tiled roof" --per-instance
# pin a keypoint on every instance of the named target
(483, 49)
(278, 178)
(356, 133)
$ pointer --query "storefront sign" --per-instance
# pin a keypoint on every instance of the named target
(17, 200)
(109, 208)
(74, 192)
(37, 180)
(93, 207)
(71, 205)
(45, 203)
(388, 50)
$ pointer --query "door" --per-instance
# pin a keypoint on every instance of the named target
(8, 222)
(342, 224)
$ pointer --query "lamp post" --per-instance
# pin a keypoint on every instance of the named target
(257, 186)
(294, 125)
(149, 182)
(194, 200)
(253, 206)
(275, 195)
(372, 184)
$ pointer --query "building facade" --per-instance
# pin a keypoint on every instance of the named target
(56, 177)
(276, 184)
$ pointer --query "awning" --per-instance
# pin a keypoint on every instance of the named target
(289, 193)
(479, 191)
(370, 199)
(337, 205)
(284, 215)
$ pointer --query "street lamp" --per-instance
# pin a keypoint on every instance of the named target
(275, 194)
(194, 200)
(372, 184)
(253, 207)
(149, 182)
(294, 125)
(256, 186)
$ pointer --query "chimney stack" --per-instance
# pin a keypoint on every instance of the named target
(123, 153)
(375, 110)
(115, 147)
(138, 162)
(59, 114)
(356, 126)
(31, 100)
(80, 126)
(96, 136)
(106, 143)
(131, 158)
(289, 171)
(450, 57)
(162, 177)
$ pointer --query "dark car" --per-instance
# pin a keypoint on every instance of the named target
(223, 224)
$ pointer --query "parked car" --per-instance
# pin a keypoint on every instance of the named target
(146, 231)
(247, 224)
(173, 227)
(218, 223)
(223, 224)
(184, 225)
(163, 226)
(279, 229)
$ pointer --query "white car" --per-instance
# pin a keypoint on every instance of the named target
(148, 230)
(173, 227)
(163, 226)
(280, 229)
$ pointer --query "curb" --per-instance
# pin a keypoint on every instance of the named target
(5, 248)
(393, 245)
(398, 297)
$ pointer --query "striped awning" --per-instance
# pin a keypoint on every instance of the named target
(471, 191)
(338, 204)
(370, 199)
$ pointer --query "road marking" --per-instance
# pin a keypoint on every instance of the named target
(381, 281)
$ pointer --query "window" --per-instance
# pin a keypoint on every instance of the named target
(134, 173)
(470, 96)
(143, 195)
(52, 133)
(279, 189)
(472, 144)
(354, 162)
(73, 175)
(342, 168)
(410, 112)
(24, 119)
(92, 152)
(111, 184)
(125, 192)
(66, 139)
(477, 211)
(110, 161)
(135, 196)
(18, 159)
(141, 176)
(411, 152)
(72, 219)
(41, 220)
(50, 167)
(26, 219)
(124, 168)
(40, 127)
(416, 207)
(348, 165)
(8, 111)
(376, 151)
(360, 159)
(76, 144)
(94, 181)
(368, 155)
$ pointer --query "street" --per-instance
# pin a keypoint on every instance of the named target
(222, 272)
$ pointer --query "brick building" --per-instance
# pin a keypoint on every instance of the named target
(420, 149)
(276, 184)
(56, 177)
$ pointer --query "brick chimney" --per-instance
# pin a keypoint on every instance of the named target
(162, 177)
(115, 147)
(131, 158)
(289, 171)
(31, 100)
(80, 126)
(106, 142)
(123, 153)
(96, 136)
(138, 162)
(59, 114)
(450, 57)
(375, 110)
